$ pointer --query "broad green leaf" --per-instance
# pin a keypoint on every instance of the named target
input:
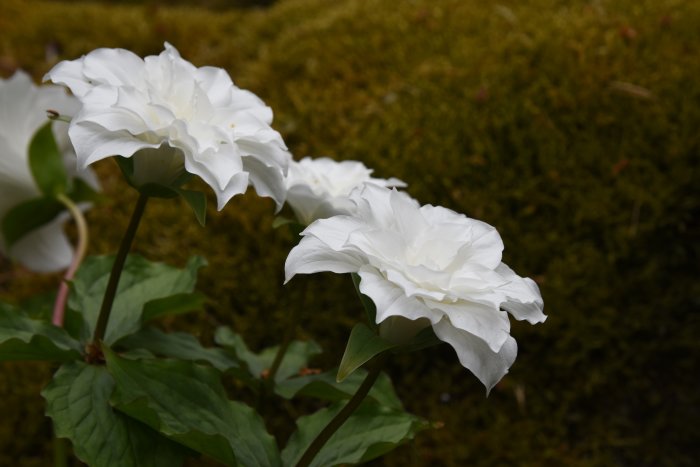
(40, 307)
(363, 344)
(188, 404)
(77, 400)
(173, 305)
(367, 303)
(178, 345)
(295, 359)
(46, 163)
(22, 338)
(141, 283)
(324, 386)
(27, 216)
(198, 202)
(371, 431)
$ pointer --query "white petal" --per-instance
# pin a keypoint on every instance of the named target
(488, 323)
(117, 67)
(524, 299)
(70, 74)
(217, 168)
(216, 83)
(93, 142)
(45, 249)
(236, 186)
(334, 231)
(306, 205)
(312, 255)
(267, 180)
(391, 300)
(475, 355)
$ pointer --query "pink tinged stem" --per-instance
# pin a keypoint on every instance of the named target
(59, 308)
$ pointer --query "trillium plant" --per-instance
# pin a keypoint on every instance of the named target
(129, 394)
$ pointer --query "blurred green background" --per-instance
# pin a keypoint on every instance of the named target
(573, 127)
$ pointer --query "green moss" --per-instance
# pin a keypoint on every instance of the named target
(570, 126)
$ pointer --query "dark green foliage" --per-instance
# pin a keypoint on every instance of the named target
(573, 127)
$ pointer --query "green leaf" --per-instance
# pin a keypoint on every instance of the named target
(187, 403)
(198, 202)
(81, 192)
(367, 303)
(363, 344)
(424, 339)
(178, 345)
(295, 359)
(77, 400)
(22, 338)
(141, 283)
(46, 162)
(324, 386)
(173, 305)
(27, 216)
(370, 432)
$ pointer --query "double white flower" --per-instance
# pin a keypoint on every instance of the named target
(172, 116)
(426, 266)
(23, 109)
(320, 188)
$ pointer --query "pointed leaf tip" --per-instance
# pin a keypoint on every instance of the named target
(363, 345)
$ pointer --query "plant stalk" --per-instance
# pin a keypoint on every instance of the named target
(59, 308)
(117, 267)
(375, 368)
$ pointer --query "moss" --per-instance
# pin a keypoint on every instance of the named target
(570, 126)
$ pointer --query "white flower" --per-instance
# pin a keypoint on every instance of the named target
(320, 188)
(429, 265)
(23, 109)
(133, 107)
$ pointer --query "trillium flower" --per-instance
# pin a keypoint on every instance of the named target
(172, 117)
(320, 188)
(23, 108)
(426, 266)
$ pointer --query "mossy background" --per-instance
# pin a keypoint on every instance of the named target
(573, 127)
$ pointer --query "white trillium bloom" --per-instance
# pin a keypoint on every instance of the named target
(172, 117)
(23, 108)
(426, 266)
(320, 188)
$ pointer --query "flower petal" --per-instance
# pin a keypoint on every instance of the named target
(267, 180)
(524, 299)
(93, 143)
(391, 300)
(488, 323)
(45, 249)
(475, 355)
(312, 255)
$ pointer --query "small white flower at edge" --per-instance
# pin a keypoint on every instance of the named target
(171, 116)
(426, 266)
(320, 188)
(23, 107)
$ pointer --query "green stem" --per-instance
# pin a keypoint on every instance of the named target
(375, 368)
(59, 308)
(117, 267)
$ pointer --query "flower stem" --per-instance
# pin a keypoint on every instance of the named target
(59, 308)
(117, 267)
(375, 367)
